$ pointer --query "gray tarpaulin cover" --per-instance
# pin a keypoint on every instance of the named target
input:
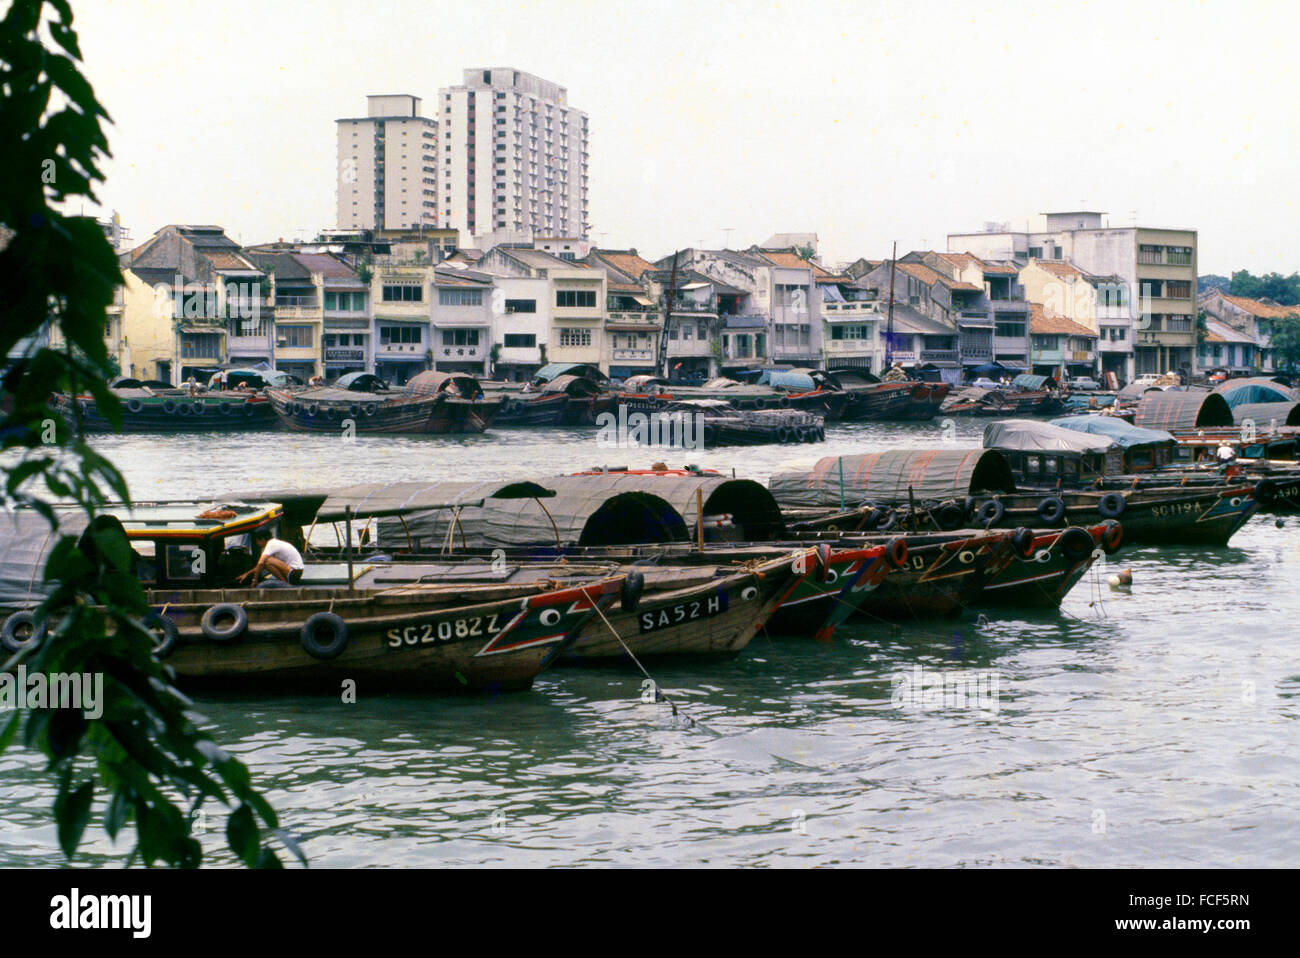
(1028, 435)
(1172, 409)
(1265, 414)
(605, 509)
(884, 477)
(1126, 434)
(25, 544)
(1255, 389)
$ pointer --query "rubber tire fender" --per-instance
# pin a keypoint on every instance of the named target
(311, 640)
(1052, 510)
(1112, 505)
(8, 634)
(223, 609)
(630, 592)
(991, 512)
(163, 644)
(1265, 492)
(1076, 544)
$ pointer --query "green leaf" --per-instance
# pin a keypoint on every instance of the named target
(117, 813)
(243, 836)
(71, 813)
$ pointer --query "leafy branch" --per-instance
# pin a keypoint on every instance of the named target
(144, 754)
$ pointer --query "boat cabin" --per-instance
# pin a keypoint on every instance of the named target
(1142, 450)
(1040, 454)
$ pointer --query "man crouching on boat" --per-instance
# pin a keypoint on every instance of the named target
(279, 558)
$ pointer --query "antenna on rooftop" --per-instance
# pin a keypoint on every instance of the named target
(727, 242)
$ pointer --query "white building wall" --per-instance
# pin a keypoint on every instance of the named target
(537, 183)
(410, 168)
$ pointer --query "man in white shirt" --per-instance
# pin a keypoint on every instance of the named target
(279, 558)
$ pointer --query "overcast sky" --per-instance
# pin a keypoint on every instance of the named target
(864, 122)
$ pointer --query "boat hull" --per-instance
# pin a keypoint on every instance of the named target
(1044, 578)
(415, 415)
(715, 619)
(211, 412)
(398, 639)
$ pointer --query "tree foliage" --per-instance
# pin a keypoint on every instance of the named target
(144, 757)
(1284, 290)
(1285, 343)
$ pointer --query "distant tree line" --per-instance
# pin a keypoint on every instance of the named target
(1284, 290)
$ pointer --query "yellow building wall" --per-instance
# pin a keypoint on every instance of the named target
(148, 331)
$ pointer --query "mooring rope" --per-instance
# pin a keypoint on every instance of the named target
(660, 695)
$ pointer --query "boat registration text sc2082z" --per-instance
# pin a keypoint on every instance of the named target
(670, 615)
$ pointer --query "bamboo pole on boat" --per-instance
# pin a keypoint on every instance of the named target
(347, 522)
(841, 483)
(699, 516)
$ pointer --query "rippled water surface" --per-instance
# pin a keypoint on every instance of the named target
(1156, 728)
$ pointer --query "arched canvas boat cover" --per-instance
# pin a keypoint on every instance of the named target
(1267, 414)
(359, 382)
(1028, 435)
(845, 378)
(1171, 409)
(578, 387)
(1136, 390)
(430, 383)
(791, 380)
(885, 477)
(1255, 389)
(607, 509)
(552, 371)
(1031, 383)
(369, 499)
(640, 382)
(1112, 427)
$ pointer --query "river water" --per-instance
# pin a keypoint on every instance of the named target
(1153, 728)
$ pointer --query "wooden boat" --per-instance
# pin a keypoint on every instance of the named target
(651, 394)
(532, 408)
(814, 605)
(714, 611)
(148, 409)
(964, 568)
(734, 590)
(708, 423)
(431, 403)
(585, 399)
(1051, 565)
(329, 627)
(934, 574)
(950, 489)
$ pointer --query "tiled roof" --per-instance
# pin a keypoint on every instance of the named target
(1261, 309)
(787, 259)
(923, 273)
(960, 260)
(909, 320)
(1059, 268)
(628, 263)
(1041, 322)
(328, 266)
(225, 260)
(1217, 332)
(926, 275)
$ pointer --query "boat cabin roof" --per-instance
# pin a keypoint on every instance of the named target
(192, 520)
